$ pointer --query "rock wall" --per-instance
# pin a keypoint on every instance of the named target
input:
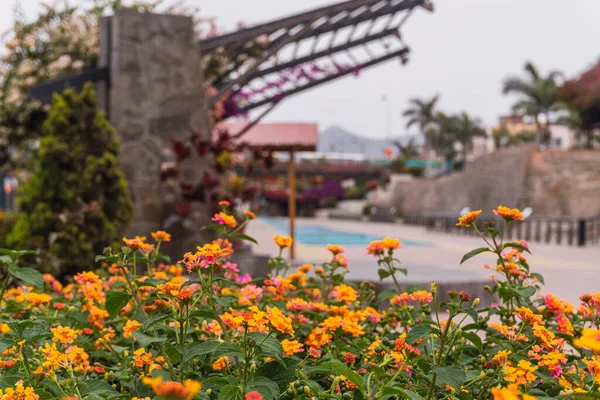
(498, 178)
(156, 94)
(552, 182)
(564, 183)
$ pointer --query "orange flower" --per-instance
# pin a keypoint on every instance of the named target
(161, 236)
(20, 392)
(344, 293)
(283, 241)
(502, 357)
(220, 363)
(135, 243)
(225, 219)
(390, 243)
(279, 321)
(335, 249)
(64, 334)
(173, 390)
(224, 203)
(305, 268)
(468, 218)
(130, 326)
(291, 347)
(254, 396)
(509, 214)
(249, 214)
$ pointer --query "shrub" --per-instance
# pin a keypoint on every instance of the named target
(355, 193)
(367, 208)
(223, 335)
(77, 200)
(329, 202)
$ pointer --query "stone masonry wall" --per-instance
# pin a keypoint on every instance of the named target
(498, 178)
(552, 182)
(156, 95)
(564, 183)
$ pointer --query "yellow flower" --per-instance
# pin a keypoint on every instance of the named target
(510, 393)
(468, 218)
(335, 249)
(279, 321)
(135, 243)
(173, 390)
(130, 326)
(390, 243)
(64, 334)
(249, 214)
(283, 241)
(4, 328)
(521, 374)
(291, 347)
(502, 357)
(20, 392)
(220, 363)
(590, 339)
(225, 219)
(344, 293)
(509, 214)
(161, 236)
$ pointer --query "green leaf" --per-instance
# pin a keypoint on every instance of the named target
(203, 314)
(173, 353)
(96, 387)
(383, 273)
(115, 301)
(8, 381)
(194, 350)
(266, 387)
(244, 237)
(107, 259)
(516, 246)
(539, 277)
(6, 260)
(227, 349)
(471, 312)
(146, 340)
(474, 338)
(417, 333)
(473, 253)
(342, 369)
(231, 392)
(282, 376)
(526, 292)
(215, 227)
(28, 275)
(269, 345)
(386, 295)
(153, 320)
(5, 344)
(452, 375)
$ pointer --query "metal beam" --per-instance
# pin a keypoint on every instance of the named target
(44, 91)
(328, 78)
(322, 53)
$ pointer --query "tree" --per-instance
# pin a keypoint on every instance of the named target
(77, 200)
(405, 153)
(465, 129)
(538, 96)
(422, 113)
(585, 136)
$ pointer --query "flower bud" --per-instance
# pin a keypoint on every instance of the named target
(476, 302)
(433, 287)
(208, 391)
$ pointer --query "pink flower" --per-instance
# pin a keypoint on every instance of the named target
(244, 279)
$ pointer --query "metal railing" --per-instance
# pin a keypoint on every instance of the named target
(571, 231)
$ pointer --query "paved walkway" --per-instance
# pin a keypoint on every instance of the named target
(568, 271)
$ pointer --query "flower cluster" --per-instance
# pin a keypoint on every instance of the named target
(203, 329)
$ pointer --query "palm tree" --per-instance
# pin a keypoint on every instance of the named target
(465, 130)
(405, 153)
(538, 95)
(422, 114)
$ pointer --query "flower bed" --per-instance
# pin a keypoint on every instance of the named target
(197, 329)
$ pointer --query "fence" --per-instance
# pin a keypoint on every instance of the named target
(572, 231)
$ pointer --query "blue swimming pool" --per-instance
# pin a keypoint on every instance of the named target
(317, 235)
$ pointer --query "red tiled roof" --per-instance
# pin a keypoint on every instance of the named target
(278, 136)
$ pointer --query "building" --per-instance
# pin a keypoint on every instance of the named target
(561, 136)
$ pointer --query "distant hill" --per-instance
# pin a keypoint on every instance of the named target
(339, 140)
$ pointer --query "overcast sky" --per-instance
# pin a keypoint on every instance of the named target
(462, 50)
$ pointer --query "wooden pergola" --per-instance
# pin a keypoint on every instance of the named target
(282, 137)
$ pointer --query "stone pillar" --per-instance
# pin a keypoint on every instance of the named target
(156, 94)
